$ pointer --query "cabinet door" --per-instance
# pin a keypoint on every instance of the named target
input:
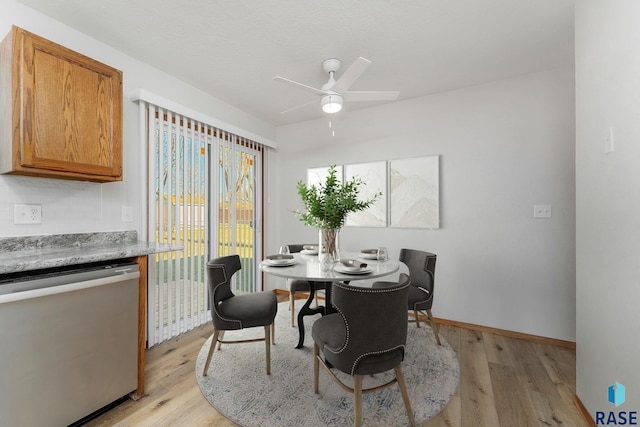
(71, 113)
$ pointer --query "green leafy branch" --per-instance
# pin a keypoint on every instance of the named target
(328, 204)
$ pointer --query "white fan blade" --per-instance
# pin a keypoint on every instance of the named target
(371, 95)
(351, 74)
(294, 83)
(299, 106)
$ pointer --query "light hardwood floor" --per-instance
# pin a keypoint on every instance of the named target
(504, 382)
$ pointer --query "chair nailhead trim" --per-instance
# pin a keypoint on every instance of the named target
(215, 306)
(353, 368)
(367, 290)
(341, 349)
(346, 342)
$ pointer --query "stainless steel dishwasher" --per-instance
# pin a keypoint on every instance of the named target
(68, 342)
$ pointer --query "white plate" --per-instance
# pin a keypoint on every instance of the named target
(276, 261)
(352, 264)
(350, 270)
(309, 252)
(369, 256)
(279, 262)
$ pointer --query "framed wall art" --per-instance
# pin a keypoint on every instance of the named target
(374, 175)
(414, 192)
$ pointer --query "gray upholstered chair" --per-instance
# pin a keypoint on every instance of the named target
(366, 336)
(298, 285)
(233, 312)
(422, 267)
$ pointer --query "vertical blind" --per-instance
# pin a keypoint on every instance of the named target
(203, 199)
(239, 165)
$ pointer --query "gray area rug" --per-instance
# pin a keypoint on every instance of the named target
(238, 387)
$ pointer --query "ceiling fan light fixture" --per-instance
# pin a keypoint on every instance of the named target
(331, 103)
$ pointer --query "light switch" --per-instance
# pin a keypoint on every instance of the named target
(608, 142)
(127, 214)
(542, 211)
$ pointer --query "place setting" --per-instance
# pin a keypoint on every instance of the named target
(282, 259)
(352, 266)
(378, 254)
(369, 254)
(309, 250)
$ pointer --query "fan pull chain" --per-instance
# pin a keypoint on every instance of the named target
(333, 132)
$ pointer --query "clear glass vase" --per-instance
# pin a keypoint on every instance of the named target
(328, 247)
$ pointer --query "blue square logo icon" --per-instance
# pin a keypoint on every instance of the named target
(616, 394)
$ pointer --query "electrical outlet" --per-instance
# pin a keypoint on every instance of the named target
(542, 211)
(27, 214)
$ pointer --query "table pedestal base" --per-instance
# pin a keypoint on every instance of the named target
(306, 309)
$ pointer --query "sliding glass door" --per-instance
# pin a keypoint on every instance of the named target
(239, 165)
(202, 199)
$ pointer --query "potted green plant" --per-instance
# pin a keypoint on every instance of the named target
(326, 208)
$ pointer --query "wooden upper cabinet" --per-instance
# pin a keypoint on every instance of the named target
(61, 112)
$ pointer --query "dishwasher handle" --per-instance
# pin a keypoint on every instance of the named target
(70, 287)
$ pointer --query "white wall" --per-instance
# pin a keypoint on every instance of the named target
(73, 206)
(607, 201)
(504, 147)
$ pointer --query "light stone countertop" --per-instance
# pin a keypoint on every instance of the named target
(27, 253)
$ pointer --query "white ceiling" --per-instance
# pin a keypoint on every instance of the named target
(233, 49)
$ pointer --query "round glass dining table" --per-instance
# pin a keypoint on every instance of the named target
(307, 267)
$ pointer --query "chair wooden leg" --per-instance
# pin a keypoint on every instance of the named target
(357, 399)
(221, 338)
(415, 313)
(433, 326)
(267, 347)
(316, 367)
(292, 307)
(273, 333)
(212, 347)
(405, 395)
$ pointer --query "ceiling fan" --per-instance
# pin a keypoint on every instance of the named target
(335, 92)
